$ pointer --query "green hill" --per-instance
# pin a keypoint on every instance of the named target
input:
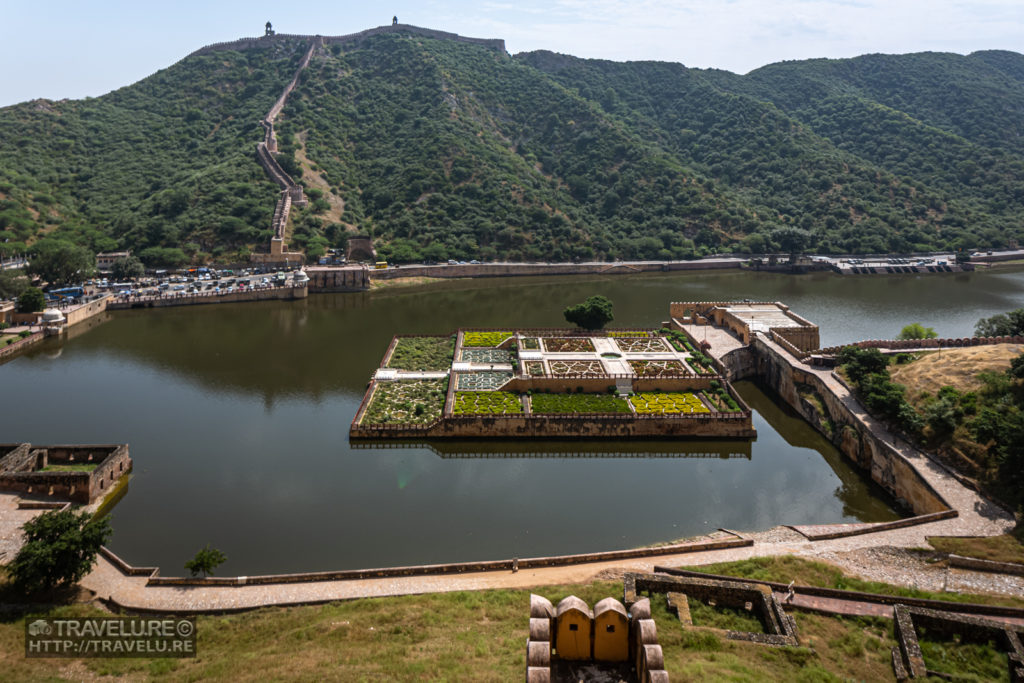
(441, 148)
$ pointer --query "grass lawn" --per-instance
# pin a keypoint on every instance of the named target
(578, 403)
(70, 468)
(422, 353)
(1005, 548)
(480, 636)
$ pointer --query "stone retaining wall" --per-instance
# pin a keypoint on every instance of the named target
(986, 565)
(525, 269)
(598, 426)
(271, 294)
(915, 344)
(20, 345)
(859, 596)
(853, 437)
(78, 314)
(347, 279)
(424, 570)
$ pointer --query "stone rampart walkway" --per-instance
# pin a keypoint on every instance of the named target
(131, 592)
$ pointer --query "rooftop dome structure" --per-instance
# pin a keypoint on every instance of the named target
(51, 316)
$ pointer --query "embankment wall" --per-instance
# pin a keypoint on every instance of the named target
(514, 269)
(717, 425)
(275, 293)
(852, 433)
(350, 279)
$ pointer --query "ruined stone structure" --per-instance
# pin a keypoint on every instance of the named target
(757, 599)
(908, 661)
(360, 248)
(23, 469)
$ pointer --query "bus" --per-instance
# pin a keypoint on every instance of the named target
(66, 293)
(381, 264)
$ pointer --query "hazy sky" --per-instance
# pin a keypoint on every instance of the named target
(72, 48)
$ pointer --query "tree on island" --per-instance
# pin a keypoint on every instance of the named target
(205, 561)
(31, 300)
(61, 263)
(60, 548)
(127, 268)
(917, 331)
(592, 314)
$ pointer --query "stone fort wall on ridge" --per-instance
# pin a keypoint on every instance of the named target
(266, 41)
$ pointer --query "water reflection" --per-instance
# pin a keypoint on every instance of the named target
(237, 417)
(555, 449)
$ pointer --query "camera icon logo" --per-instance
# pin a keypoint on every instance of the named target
(40, 627)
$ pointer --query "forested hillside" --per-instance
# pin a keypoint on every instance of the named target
(444, 149)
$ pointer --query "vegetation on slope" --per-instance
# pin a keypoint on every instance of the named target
(446, 150)
(977, 426)
(165, 166)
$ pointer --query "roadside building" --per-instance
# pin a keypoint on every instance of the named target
(105, 261)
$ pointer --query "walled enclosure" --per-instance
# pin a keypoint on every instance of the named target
(736, 424)
(908, 660)
(779, 627)
(21, 468)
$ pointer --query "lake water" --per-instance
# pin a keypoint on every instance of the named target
(238, 416)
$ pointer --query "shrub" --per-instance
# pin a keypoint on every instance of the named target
(60, 548)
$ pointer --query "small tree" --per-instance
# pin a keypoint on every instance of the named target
(917, 331)
(60, 548)
(205, 561)
(592, 314)
(127, 268)
(12, 283)
(31, 300)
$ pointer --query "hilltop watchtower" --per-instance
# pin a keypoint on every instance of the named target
(269, 29)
